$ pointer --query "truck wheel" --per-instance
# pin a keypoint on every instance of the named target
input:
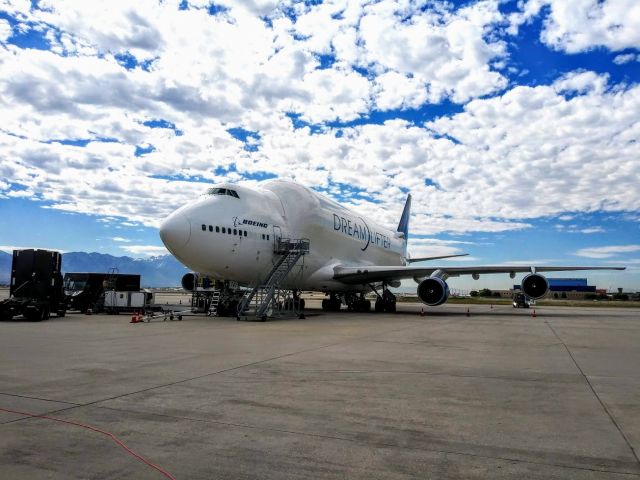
(61, 313)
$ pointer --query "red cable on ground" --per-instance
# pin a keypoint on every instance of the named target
(95, 429)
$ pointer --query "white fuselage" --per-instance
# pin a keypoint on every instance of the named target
(232, 237)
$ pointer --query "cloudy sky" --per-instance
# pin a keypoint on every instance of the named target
(514, 124)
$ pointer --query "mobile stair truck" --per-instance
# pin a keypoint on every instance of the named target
(36, 289)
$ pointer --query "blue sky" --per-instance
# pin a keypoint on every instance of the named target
(515, 125)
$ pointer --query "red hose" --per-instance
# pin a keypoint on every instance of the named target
(95, 429)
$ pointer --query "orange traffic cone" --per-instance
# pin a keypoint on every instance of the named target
(134, 317)
(468, 313)
(534, 313)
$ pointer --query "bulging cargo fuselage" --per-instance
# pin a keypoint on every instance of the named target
(230, 234)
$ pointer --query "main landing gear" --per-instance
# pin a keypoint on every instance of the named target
(385, 302)
(357, 303)
(332, 304)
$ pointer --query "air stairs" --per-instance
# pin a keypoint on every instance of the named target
(268, 297)
(213, 303)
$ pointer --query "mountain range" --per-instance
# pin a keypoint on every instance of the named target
(161, 271)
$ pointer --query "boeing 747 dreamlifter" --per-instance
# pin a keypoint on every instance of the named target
(245, 236)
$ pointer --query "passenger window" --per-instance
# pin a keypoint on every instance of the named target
(229, 231)
(224, 230)
(267, 237)
(263, 236)
(245, 233)
(235, 232)
(217, 229)
(211, 228)
(204, 227)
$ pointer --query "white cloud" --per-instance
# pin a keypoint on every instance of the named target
(579, 25)
(607, 251)
(526, 153)
(592, 230)
(581, 82)
(145, 250)
(448, 53)
(121, 239)
(487, 170)
(626, 58)
(5, 30)
(533, 152)
(574, 229)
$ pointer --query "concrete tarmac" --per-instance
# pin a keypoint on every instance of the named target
(497, 394)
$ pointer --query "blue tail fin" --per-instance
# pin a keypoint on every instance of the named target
(403, 226)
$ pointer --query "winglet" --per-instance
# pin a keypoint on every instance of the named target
(403, 226)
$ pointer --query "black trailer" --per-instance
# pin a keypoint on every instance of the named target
(36, 286)
(85, 291)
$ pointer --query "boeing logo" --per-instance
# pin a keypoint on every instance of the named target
(237, 222)
(361, 231)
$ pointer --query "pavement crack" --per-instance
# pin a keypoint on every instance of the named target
(593, 390)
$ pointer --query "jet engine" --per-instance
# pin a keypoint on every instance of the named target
(433, 291)
(189, 281)
(535, 285)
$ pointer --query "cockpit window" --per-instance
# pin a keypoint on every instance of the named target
(222, 191)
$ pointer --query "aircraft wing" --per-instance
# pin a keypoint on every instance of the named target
(375, 273)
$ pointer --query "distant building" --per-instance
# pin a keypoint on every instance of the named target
(570, 288)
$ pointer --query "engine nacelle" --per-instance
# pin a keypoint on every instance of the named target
(189, 281)
(433, 291)
(535, 286)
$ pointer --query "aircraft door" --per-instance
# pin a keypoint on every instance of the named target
(277, 235)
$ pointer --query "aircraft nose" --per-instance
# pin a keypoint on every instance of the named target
(175, 231)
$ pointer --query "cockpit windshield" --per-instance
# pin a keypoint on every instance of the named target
(222, 191)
